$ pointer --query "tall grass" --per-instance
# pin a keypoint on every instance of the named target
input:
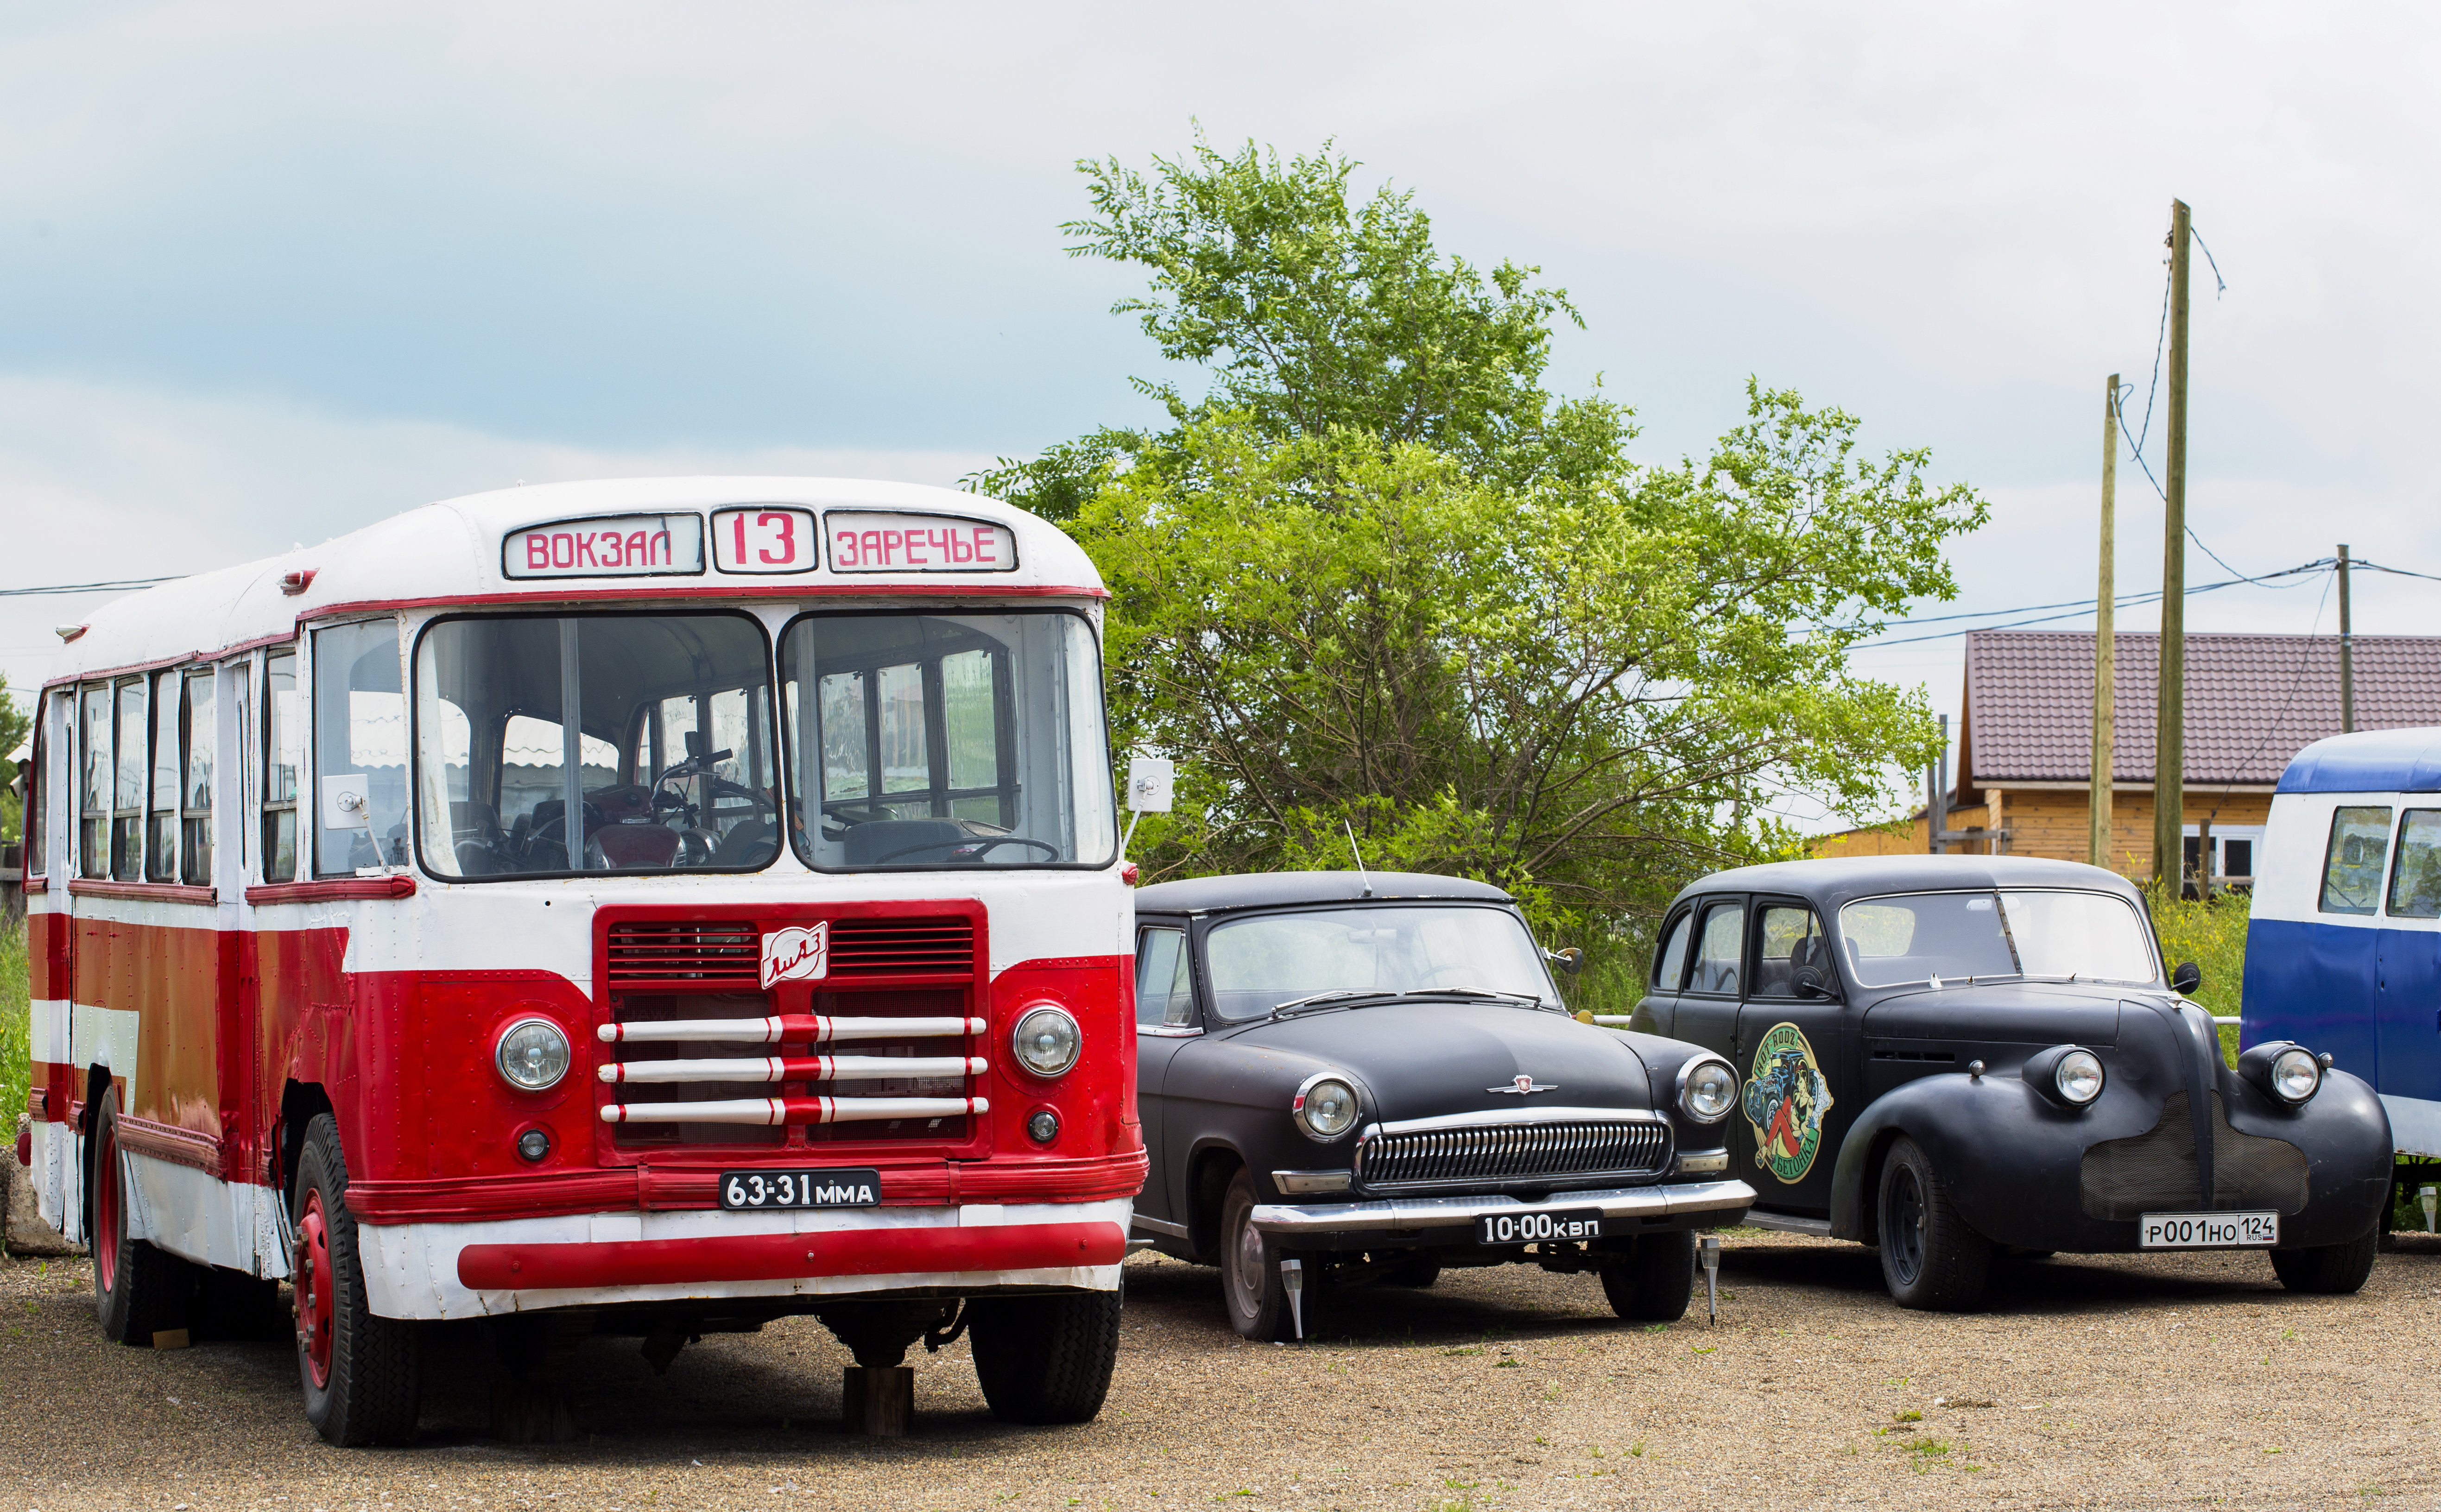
(16, 1028)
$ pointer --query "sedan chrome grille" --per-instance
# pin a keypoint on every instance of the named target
(1546, 1153)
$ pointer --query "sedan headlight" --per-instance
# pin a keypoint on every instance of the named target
(2078, 1076)
(532, 1054)
(1046, 1040)
(2069, 1075)
(1708, 1088)
(2287, 1072)
(1326, 1107)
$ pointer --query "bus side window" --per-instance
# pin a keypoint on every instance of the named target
(161, 804)
(284, 753)
(2415, 882)
(2352, 867)
(202, 731)
(127, 783)
(359, 734)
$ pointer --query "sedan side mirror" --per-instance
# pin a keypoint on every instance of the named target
(2186, 979)
(1808, 982)
(1569, 961)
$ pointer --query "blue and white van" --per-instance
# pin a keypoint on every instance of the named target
(2344, 950)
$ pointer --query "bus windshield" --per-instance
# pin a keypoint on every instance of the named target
(947, 740)
(655, 728)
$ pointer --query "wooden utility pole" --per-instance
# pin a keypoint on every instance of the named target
(2170, 716)
(2347, 651)
(2104, 647)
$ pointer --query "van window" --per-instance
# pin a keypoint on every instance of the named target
(2352, 868)
(2415, 885)
(1669, 964)
(1717, 956)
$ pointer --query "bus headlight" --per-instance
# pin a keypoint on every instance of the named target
(532, 1055)
(1046, 1040)
(1326, 1106)
(1708, 1088)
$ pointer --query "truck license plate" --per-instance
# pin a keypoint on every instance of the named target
(1535, 1227)
(2207, 1231)
(852, 1187)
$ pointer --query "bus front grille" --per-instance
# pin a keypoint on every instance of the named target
(2156, 1171)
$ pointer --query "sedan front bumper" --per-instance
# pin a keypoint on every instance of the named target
(1705, 1204)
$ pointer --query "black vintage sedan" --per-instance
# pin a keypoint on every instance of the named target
(1948, 1056)
(1348, 1079)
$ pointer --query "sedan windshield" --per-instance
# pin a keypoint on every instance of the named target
(1258, 964)
(1963, 936)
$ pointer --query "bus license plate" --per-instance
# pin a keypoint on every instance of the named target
(2207, 1231)
(753, 1191)
(1533, 1227)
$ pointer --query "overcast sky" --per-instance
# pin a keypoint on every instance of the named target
(270, 271)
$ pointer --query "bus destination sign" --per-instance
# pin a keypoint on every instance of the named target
(616, 545)
(875, 542)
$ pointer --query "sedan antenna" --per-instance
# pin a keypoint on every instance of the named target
(1359, 855)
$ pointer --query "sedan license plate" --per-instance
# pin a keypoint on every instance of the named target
(1536, 1227)
(753, 1191)
(2207, 1231)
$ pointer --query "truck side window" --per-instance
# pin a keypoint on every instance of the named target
(1670, 965)
(1717, 954)
(2415, 882)
(2352, 867)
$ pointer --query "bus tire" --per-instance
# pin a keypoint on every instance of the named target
(1045, 1359)
(138, 1289)
(2330, 1268)
(1653, 1283)
(362, 1374)
(1930, 1259)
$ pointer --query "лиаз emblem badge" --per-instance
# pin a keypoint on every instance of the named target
(797, 954)
(1785, 1101)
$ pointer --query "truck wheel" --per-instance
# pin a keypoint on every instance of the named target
(1930, 1259)
(1653, 1281)
(138, 1290)
(1045, 1359)
(363, 1375)
(1250, 1271)
(2330, 1268)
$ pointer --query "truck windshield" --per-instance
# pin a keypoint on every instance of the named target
(657, 729)
(1961, 936)
(1258, 964)
(947, 740)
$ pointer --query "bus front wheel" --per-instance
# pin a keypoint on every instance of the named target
(362, 1374)
(138, 1290)
(1045, 1359)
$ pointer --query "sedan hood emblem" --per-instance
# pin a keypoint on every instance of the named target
(1523, 1085)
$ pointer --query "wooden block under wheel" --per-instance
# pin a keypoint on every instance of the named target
(880, 1401)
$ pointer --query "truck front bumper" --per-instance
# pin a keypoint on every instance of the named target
(1396, 1221)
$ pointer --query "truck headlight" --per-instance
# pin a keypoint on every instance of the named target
(2078, 1076)
(1708, 1088)
(2287, 1072)
(532, 1055)
(1326, 1106)
(1046, 1040)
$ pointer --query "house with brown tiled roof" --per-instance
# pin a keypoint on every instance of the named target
(2025, 744)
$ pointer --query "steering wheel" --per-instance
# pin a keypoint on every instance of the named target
(975, 849)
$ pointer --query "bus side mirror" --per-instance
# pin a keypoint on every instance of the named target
(1569, 961)
(2186, 979)
(1150, 780)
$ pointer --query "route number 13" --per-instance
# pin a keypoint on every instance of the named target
(765, 539)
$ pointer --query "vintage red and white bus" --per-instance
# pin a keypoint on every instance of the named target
(666, 904)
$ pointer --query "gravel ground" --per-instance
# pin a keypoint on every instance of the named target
(2110, 1381)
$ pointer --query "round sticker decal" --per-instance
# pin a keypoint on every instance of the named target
(1785, 1100)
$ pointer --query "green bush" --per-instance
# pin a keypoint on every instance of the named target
(16, 1029)
(2213, 935)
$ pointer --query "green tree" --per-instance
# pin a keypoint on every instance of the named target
(15, 725)
(1378, 579)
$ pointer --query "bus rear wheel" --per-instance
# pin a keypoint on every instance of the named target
(363, 1375)
(1045, 1359)
(138, 1290)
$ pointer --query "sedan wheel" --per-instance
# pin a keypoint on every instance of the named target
(1250, 1271)
(1930, 1259)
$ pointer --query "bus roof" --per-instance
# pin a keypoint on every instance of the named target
(452, 552)
(2370, 760)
